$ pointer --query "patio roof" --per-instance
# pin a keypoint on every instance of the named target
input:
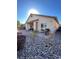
(33, 21)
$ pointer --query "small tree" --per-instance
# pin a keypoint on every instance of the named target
(18, 24)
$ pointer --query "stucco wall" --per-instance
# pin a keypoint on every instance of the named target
(27, 26)
(48, 21)
(55, 24)
(34, 17)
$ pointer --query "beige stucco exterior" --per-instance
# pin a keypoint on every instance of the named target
(37, 20)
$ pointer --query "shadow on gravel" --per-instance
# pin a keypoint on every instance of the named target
(20, 42)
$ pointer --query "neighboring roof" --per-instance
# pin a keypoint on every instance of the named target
(44, 16)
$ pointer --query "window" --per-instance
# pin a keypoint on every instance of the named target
(44, 25)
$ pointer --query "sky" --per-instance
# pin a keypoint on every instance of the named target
(44, 7)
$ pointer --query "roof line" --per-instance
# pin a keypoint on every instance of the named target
(44, 16)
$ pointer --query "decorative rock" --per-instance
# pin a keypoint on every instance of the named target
(40, 48)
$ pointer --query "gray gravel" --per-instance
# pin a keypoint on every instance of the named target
(40, 46)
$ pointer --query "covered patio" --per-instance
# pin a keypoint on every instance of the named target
(33, 25)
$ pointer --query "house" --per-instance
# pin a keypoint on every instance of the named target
(42, 22)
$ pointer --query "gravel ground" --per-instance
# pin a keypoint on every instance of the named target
(39, 46)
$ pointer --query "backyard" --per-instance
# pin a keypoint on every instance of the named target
(37, 45)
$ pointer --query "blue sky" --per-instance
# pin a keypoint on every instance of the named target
(44, 7)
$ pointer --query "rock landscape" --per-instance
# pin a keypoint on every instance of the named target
(39, 46)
